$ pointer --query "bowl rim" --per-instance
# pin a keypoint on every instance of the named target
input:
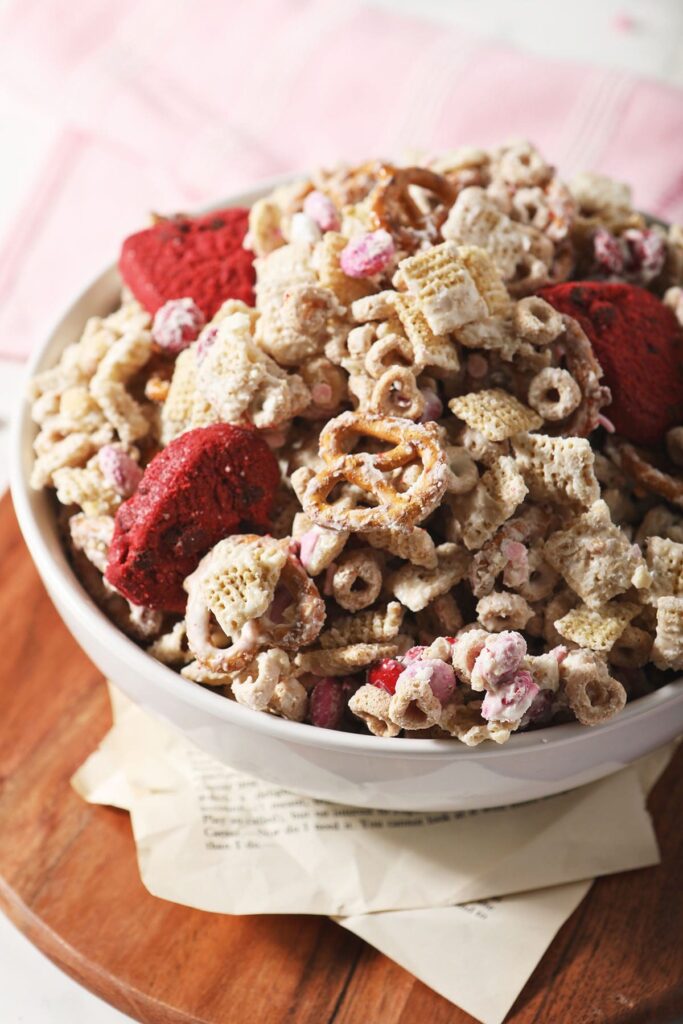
(61, 579)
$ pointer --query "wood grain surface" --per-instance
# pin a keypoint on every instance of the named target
(68, 879)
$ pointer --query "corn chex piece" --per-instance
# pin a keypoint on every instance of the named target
(597, 628)
(665, 561)
(416, 587)
(483, 510)
(184, 407)
(487, 278)
(496, 414)
(238, 579)
(445, 290)
(340, 661)
(667, 650)
(416, 547)
(371, 627)
(596, 558)
(433, 350)
(558, 469)
(330, 274)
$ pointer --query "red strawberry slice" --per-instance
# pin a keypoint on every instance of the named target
(192, 494)
(200, 258)
(639, 344)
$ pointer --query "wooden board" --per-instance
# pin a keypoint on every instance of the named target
(68, 879)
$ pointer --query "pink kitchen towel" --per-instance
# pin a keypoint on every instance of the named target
(173, 104)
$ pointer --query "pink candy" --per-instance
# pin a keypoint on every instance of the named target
(367, 254)
(321, 393)
(433, 405)
(477, 366)
(608, 252)
(328, 700)
(500, 656)
(636, 255)
(176, 324)
(322, 210)
(511, 699)
(516, 571)
(308, 542)
(119, 470)
(440, 676)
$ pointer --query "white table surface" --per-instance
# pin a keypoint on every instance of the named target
(641, 36)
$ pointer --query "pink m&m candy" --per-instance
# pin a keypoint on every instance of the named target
(176, 324)
(368, 254)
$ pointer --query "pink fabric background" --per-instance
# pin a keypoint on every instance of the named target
(171, 105)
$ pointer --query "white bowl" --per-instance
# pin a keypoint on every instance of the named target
(346, 768)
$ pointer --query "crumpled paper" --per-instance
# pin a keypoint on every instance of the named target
(390, 877)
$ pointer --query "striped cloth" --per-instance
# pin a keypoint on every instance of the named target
(172, 104)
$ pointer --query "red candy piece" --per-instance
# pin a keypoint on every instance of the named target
(193, 493)
(639, 344)
(190, 257)
(385, 673)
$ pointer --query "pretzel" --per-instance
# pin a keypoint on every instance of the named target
(647, 475)
(395, 510)
(396, 211)
(371, 705)
(592, 694)
(554, 393)
(495, 413)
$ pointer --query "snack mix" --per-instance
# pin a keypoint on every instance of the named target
(400, 449)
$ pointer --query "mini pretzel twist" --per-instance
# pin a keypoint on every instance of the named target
(413, 443)
(397, 211)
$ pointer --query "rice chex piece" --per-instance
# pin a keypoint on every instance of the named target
(238, 579)
(445, 290)
(436, 351)
(597, 628)
(558, 469)
(596, 558)
(483, 510)
(496, 414)
(487, 278)
(371, 627)
(665, 561)
(667, 650)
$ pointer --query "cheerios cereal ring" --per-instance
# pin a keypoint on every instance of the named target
(554, 393)
(586, 370)
(400, 510)
(357, 580)
(396, 210)
(389, 351)
(537, 321)
(396, 394)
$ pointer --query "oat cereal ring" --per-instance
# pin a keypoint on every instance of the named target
(648, 476)
(554, 393)
(390, 351)
(414, 705)
(371, 705)
(592, 694)
(463, 474)
(537, 321)
(396, 394)
(396, 211)
(632, 649)
(500, 611)
(327, 385)
(254, 685)
(542, 578)
(582, 365)
(394, 509)
(357, 579)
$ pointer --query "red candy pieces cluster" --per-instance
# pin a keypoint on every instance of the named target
(198, 257)
(193, 493)
(385, 673)
(639, 344)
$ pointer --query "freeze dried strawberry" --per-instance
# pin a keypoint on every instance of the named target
(193, 493)
(197, 257)
(385, 673)
(639, 345)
